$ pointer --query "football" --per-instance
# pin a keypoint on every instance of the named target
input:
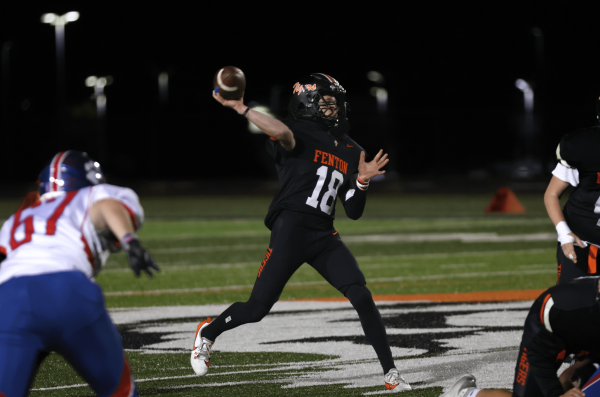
(230, 82)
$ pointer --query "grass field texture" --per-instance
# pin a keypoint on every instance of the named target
(210, 248)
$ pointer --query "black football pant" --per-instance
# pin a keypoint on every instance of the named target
(586, 265)
(297, 238)
(538, 378)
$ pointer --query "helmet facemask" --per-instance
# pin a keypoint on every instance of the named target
(308, 100)
(327, 108)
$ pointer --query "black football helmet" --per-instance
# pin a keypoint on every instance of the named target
(307, 102)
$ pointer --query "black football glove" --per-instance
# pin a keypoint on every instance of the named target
(139, 258)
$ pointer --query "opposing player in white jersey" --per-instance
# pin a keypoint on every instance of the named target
(49, 253)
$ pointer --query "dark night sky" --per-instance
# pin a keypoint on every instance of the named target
(449, 72)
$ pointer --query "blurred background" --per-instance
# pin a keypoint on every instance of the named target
(466, 97)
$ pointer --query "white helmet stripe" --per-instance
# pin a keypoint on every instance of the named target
(331, 79)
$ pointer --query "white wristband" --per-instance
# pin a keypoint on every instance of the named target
(563, 233)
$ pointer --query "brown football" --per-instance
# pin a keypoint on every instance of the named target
(230, 82)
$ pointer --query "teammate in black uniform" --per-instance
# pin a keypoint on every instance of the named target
(563, 321)
(578, 224)
(315, 162)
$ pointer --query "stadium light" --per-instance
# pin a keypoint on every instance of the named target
(375, 76)
(261, 109)
(163, 87)
(59, 22)
(382, 98)
(98, 83)
(527, 94)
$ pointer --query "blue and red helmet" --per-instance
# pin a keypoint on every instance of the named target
(70, 170)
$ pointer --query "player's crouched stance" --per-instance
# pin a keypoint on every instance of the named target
(50, 250)
(315, 160)
(563, 321)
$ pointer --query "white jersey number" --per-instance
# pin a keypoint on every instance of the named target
(313, 200)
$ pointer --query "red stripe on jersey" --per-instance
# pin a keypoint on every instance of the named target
(51, 225)
(132, 215)
(55, 168)
(591, 381)
(88, 251)
(3, 250)
(592, 258)
(543, 307)
(126, 385)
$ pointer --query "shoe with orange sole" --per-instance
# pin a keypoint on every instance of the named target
(394, 382)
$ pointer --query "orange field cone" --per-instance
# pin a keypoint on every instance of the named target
(505, 201)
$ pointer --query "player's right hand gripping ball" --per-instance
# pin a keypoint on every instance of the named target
(229, 82)
(139, 258)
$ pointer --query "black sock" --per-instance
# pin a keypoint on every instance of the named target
(235, 315)
(372, 324)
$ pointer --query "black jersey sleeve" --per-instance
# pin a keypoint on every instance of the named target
(278, 152)
(353, 199)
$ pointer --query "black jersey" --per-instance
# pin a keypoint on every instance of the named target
(312, 174)
(564, 320)
(581, 150)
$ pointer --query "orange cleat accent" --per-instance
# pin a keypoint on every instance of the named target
(395, 382)
(207, 321)
(200, 358)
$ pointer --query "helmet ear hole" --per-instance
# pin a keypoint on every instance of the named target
(301, 106)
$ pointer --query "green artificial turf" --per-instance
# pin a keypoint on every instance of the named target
(210, 248)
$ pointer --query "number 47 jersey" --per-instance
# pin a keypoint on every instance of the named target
(312, 174)
(57, 235)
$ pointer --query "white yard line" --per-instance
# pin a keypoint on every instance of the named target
(463, 237)
(381, 238)
(189, 250)
(323, 282)
(365, 258)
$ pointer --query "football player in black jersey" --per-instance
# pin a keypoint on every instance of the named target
(563, 322)
(315, 162)
(578, 224)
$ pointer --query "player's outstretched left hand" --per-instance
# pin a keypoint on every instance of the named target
(367, 171)
(235, 104)
(139, 258)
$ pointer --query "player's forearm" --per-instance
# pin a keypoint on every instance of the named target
(270, 126)
(552, 203)
(355, 205)
(112, 214)
(555, 189)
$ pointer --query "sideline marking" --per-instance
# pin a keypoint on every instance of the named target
(487, 296)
